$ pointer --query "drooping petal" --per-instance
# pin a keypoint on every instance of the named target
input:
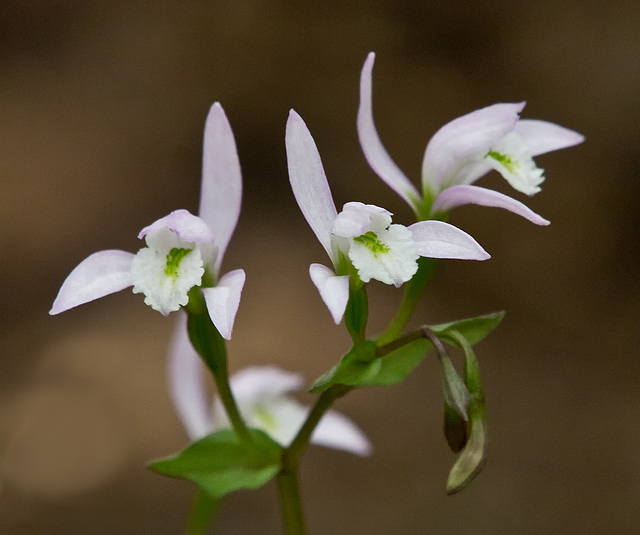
(463, 137)
(334, 289)
(185, 225)
(187, 388)
(223, 301)
(309, 182)
(251, 384)
(339, 432)
(100, 274)
(221, 192)
(436, 239)
(372, 146)
(542, 136)
(460, 195)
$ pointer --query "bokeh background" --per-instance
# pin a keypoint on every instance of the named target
(102, 107)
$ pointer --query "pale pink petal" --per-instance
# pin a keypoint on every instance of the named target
(223, 301)
(334, 289)
(542, 136)
(253, 383)
(436, 239)
(309, 182)
(339, 432)
(463, 137)
(187, 388)
(221, 192)
(185, 225)
(100, 274)
(461, 195)
(372, 147)
(355, 219)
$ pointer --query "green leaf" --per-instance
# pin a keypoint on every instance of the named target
(355, 369)
(473, 456)
(397, 365)
(473, 329)
(219, 463)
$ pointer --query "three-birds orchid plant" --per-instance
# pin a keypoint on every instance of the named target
(253, 430)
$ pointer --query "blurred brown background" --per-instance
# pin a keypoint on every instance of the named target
(102, 109)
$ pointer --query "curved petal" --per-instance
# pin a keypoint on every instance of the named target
(463, 137)
(436, 239)
(372, 147)
(461, 195)
(542, 136)
(334, 289)
(309, 182)
(221, 192)
(100, 274)
(223, 301)
(251, 384)
(184, 224)
(187, 388)
(339, 432)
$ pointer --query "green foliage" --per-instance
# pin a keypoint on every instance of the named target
(219, 463)
(364, 367)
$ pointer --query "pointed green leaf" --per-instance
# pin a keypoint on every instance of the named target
(219, 463)
(455, 429)
(473, 329)
(455, 392)
(397, 365)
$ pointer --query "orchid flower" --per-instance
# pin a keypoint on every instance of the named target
(183, 250)
(464, 150)
(262, 396)
(362, 235)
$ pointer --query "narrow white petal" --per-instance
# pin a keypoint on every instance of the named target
(339, 432)
(309, 182)
(221, 192)
(372, 147)
(464, 137)
(461, 195)
(436, 239)
(334, 289)
(187, 388)
(251, 384)
(223, 301)
(542, 136)
(100, 274)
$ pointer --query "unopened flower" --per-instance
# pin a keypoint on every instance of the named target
(362, 233)
(464, 150)
(183, 250)
(263, 398)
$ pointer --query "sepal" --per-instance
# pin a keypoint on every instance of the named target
(219, 463)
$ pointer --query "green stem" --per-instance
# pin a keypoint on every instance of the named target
(203, 509)
(292, 513)
(412, 293)
(210, 345)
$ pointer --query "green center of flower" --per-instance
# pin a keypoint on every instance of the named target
(174, 258)
(371, 242)
(509, 163)
(265, 417)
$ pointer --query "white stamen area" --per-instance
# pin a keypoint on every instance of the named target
(377, 249)
(166, 270)
(513, 160)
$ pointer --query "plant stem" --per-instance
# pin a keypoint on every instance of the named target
(204, 507)
(292, 513)
(412, 293)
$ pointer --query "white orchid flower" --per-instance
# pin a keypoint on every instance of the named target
(463, 151)
(361, 233)
(263, 398)
(182, 250)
